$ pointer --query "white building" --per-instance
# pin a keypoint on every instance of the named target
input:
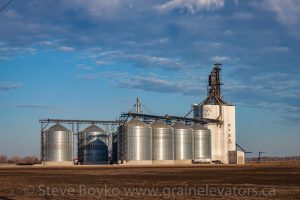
(220, 118)
(223, 135)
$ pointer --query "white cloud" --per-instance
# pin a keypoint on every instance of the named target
(154, 83)
(151, 82)
(84, 67)
(37, 106)
(287, 11)
(243, 16)
(141, 60)
(277, 85)
(9, 86)
(65, 48)
(167, 63)
(9, 52)
(220, 59)
(101, 62)
(160, 41)
(46, 43)
(56, 44)
(228, 32)
(105, 75)
(192, 6)
(99, 8)
(50, 43)
(276, 49)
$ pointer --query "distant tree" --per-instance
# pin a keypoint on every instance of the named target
(30, 159)
(15, 159)
(3, 159)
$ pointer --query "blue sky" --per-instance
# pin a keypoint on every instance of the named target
(89, 59)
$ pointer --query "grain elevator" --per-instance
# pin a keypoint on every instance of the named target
(223, 131)
(136, 138)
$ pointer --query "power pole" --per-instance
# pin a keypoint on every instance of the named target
(259, 156)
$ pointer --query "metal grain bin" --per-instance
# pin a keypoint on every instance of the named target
(163, 141)
(138, 140)
(183, 146)
(202, 143)
(58, 144)
(93, 146)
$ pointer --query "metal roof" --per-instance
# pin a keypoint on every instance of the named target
(93, 128)
(159, 124)
(136, 122)
(180, 125)
(58, 127)
(198, 126)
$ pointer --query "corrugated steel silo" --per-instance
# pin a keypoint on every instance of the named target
(202, 143)
(137, 141)
(163, 141)
(93, 146)
(58, 144)
(183, 146)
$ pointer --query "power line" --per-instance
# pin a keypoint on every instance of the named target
(147, 109)
(5, 5)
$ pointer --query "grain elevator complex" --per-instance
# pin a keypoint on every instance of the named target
(143, 139)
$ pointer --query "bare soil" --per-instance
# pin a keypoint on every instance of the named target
(252, 181)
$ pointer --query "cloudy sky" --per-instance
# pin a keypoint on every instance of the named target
(89, 59)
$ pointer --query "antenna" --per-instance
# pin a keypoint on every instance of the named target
(137, 106)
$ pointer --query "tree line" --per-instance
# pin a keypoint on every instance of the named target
(18, 159)
(266, 158)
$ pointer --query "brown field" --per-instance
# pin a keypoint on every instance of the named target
(265, 181)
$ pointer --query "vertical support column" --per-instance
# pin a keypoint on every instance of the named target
(76, 148)
(112, 131)
(107, 130)
(118, 145)
(43, 127)
(42, 143)
(72, 141)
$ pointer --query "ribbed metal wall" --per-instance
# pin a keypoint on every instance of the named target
(58, 144)
(183, 145)
(93, 146)
(163, 141)
(202, 143)
(138, 140)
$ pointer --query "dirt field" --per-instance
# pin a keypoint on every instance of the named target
(265, 181)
